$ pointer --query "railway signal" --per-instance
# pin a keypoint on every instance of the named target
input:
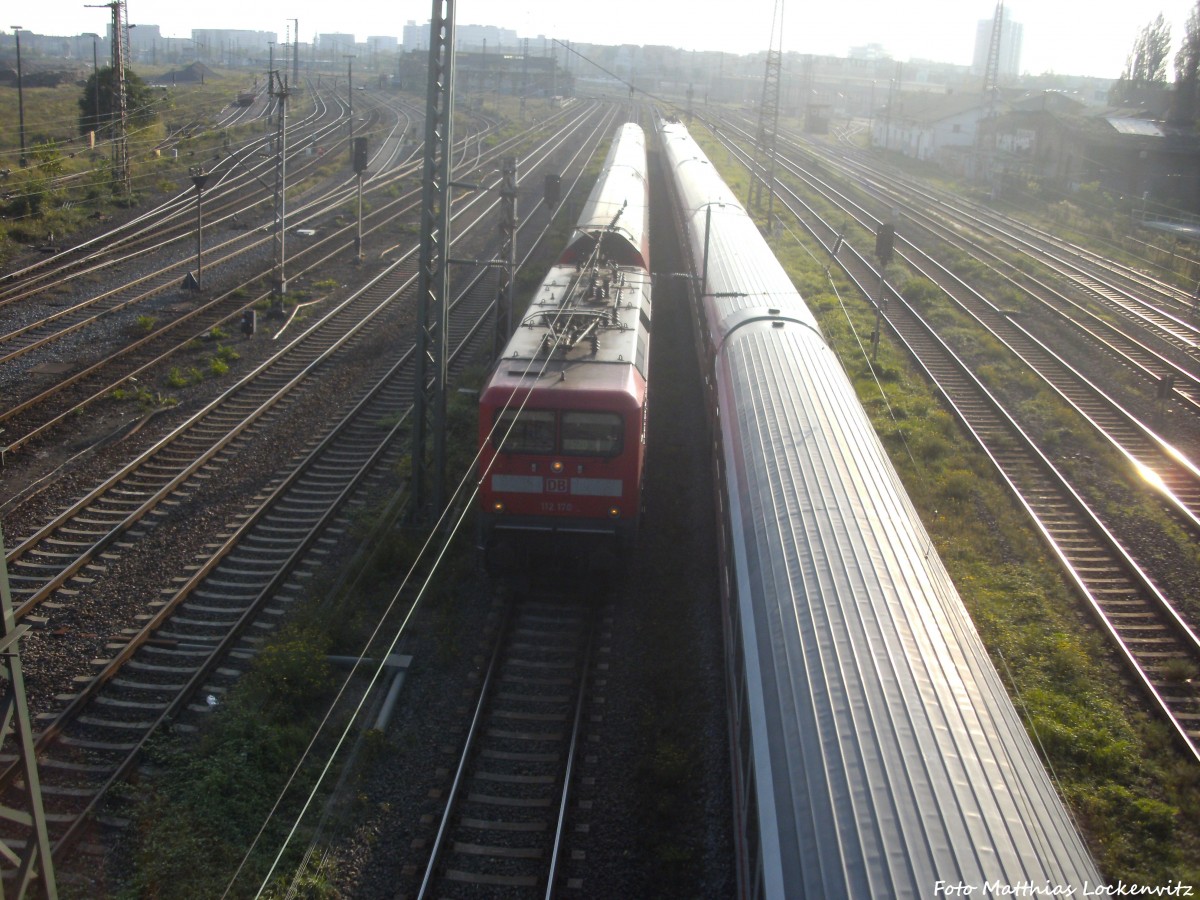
(885, 239)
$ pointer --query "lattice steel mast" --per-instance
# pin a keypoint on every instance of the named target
(429, 399)
(991, 71)
(30, 854)
(119, 107)
(768, 118)
(991, 87)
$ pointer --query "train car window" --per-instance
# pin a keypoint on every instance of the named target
(532, 433)
(592, 433)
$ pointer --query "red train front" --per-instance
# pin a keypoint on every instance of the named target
(562, 417)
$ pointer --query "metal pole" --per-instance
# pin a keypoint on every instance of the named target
(707, 235)
(884, 242)
(279, 288)
(358, 240)
(296, 55)
(121, 101)
(95, 84)
(20, 95)
(350, 90)
(199, 238)
(508, 229)
(32, 854)
(429, 398)
(879, 305)
(199, 179)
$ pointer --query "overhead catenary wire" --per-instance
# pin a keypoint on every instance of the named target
(409, 575)
(439, 526)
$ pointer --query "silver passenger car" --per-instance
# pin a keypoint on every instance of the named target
(876, 753)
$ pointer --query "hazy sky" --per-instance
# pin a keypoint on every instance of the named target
(1076, 37)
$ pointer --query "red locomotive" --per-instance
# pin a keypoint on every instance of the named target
(562, 418)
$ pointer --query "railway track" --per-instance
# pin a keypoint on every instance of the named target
(30, 334)
(1172, 474)
(1143, 626)
(46, 407)
(196, 634)
(236, 179)
(1147, 324)
(503, 824)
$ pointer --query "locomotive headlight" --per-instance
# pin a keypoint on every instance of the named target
(497, 506)
(614, 512)
(556, 467)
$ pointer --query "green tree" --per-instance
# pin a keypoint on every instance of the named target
(1153, 49)
(1186, 101)
(1147, 62)
(139, 101)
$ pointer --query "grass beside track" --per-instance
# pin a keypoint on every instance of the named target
(37, 206)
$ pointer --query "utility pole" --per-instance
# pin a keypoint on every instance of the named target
(885, 239)
(429, 399)
(359, 148)
(199, 179)
(20, 96)
(95, 85)
(296, 55)
(350, 88)
(524, 75)
(270, 83)
(278, 88)
(895, 88)
(508, 230)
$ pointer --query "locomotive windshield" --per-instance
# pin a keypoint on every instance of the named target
(579, 433)
(533, 431)
(591, 433)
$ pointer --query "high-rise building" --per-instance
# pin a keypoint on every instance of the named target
(335, 45)
(466, 37)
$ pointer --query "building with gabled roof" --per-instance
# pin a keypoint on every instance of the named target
(1125, 152)
(926, 126)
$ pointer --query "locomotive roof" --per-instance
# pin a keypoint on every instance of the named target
(589, 333)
